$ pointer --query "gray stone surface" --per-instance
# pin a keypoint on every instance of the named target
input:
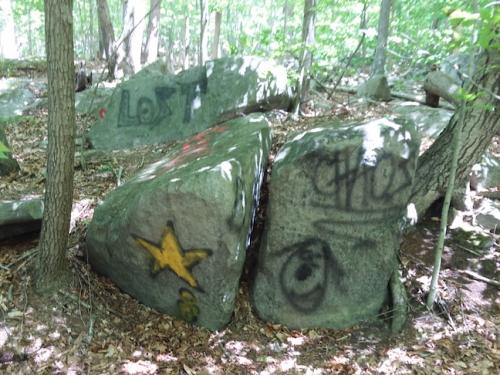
(19, 217)
(16, 96)
(488, 215)
(175, 235)
(152, 107)
(376, 88)
(336, 200)
(486, 175)
(7, 163)
(456, 66)
(430, 121)
(93, 100)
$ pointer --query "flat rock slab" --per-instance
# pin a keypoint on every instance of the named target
(152, 107)
(20, 217)
(175, 235)
(429, 121)
(336, 200)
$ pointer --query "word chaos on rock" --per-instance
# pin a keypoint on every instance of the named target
(336, 200)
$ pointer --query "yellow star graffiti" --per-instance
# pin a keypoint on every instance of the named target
(169, 254)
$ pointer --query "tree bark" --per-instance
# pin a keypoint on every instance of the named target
(51, 265)
(106, 31)
(362, 25)
(215, 45)
(202, 53)
(378, 67)
(150, 51)
(308, 40)
(481, 124)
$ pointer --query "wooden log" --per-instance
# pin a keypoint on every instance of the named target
(442, 85)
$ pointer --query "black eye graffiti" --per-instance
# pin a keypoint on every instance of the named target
(305, 273)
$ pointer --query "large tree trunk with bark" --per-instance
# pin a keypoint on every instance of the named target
(52, 265)
(482, 123)
(202, 52)
(308, 40)
(106, 31)
(150, 51)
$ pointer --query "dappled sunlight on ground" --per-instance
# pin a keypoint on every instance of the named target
(91, 327)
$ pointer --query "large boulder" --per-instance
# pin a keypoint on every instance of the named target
(17, 95)
(152, 107)
(336, 200)
(175, 235)
(7, 163)
(93, 99)
(376, 88)
(20, 217)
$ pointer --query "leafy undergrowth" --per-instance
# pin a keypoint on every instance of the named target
(92, 327)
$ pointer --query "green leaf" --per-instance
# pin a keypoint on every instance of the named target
(3, 150)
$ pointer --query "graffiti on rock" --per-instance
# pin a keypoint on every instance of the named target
(192, 92)
(343, 183)
(169, 254)
(151, 112)
(147, 113)
(307, 271)
(188, 308)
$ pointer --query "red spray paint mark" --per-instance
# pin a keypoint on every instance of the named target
(102, 112)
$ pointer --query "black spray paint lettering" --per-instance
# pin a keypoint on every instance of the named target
(336, 174)
(151, 112)
(148, 113)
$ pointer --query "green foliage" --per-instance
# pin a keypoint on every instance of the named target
(422, 32)
(3, 151)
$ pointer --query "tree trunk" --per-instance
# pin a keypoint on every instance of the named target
(285, 22)
(377, 86)
(308, 40)
(362, 25)
(150, 51)
(481, 124)
(8, 45)
(52, 265)
(106, 31)
(378, 67)
(202, 53)
(185, 44)
(215, 45)
(129, 46)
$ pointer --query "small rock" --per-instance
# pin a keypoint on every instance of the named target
(20, 217)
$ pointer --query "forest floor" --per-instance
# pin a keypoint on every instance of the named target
(94, 328)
